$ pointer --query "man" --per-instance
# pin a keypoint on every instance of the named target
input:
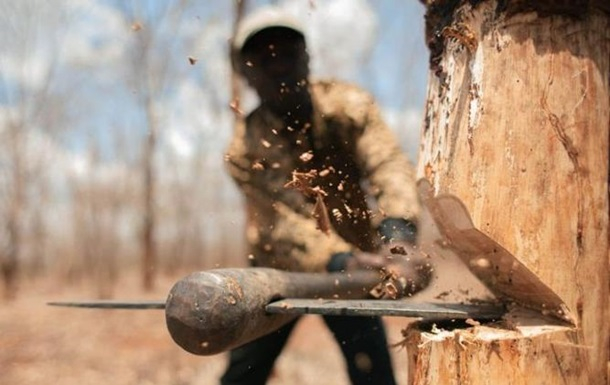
(326, 189)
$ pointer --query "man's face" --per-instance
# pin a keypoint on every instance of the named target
(275, 62)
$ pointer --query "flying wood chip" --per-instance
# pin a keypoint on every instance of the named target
(306, 156)
(301, 181)
(235, 107)
(320, 212)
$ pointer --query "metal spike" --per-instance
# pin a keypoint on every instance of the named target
(111, 304)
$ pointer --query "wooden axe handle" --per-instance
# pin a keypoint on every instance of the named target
(214, 311)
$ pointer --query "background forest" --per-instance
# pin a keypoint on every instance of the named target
(114, 117)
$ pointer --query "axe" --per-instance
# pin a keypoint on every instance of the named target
(217, 310)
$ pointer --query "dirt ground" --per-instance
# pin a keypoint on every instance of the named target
(47, 345)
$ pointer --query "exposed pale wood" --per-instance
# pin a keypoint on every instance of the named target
(533, 355)
(517, 127)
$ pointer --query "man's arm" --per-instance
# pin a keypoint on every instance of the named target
(389, 171)
(292, 239)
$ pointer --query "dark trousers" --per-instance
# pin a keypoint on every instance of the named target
(361, 339)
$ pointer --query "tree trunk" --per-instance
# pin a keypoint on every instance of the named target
(149, 251)
(11, 254)
(517, 126)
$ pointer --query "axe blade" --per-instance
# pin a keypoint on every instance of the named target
(461, 250)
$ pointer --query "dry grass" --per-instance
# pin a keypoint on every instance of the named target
(41, 345)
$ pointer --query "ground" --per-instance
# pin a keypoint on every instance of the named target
(42, 344)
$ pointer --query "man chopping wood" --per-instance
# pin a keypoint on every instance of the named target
(326, 187)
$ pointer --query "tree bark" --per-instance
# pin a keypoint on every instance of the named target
(517, 127)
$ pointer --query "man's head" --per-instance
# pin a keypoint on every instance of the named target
(270, 52)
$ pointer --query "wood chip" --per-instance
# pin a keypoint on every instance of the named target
(320, 212)
(234, 105)
(400, 250)
(306, 156)
(302, 181)
(472, 322)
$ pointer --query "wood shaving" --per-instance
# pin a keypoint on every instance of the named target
(320, 212)
(399, 250)
(388, 288)
(472, 322)
(348, 209)
(301, 181)
(234, 105)
(337, 214)
(463, 34)
(306, 156)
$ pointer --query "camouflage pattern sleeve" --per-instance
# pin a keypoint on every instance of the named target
(390, 173)
(236, 160)
(297, 240)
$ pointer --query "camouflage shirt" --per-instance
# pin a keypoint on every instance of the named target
(359, 167)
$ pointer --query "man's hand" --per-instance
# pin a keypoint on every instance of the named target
(404, 269)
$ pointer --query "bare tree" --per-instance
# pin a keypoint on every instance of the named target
(96, 204)
(148, 73)
(34, 108)
(13, 209)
